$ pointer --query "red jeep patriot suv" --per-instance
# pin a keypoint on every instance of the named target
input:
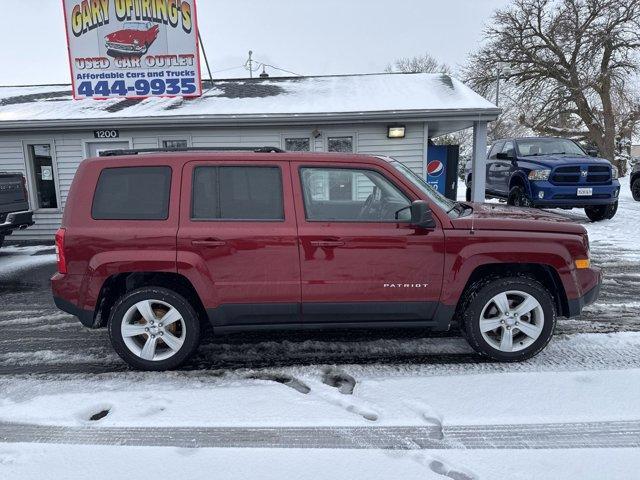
(154, 244)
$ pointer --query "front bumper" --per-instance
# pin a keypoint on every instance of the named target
(15, 221)
(590, 276)
(547, 195)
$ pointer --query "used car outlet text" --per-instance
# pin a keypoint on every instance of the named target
(150, 61)
(89, 15)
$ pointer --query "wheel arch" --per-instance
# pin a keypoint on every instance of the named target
(545, 274)
(119, 284)
(519, 179)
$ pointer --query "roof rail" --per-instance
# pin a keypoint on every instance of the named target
(136, 151)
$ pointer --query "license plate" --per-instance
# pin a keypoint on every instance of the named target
(585, 192)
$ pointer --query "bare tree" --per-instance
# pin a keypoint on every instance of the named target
(568, 63)
(418, 64)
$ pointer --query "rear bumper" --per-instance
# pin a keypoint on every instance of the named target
(15, 221)
(566, 196)
(577, 304)
(85, 316)
(66, 296)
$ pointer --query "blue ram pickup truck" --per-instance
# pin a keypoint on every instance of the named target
(549, 172)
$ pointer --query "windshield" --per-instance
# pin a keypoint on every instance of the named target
(134, 26)
(532, 147)
(431, 193)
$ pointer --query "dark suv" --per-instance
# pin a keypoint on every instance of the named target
(550, 173)
(153, 245)
(635, 182)
(14, 204)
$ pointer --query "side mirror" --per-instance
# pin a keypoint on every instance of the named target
(592, 152)
(421, 215)
(503, 156)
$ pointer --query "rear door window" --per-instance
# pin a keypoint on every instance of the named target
(132, 193)
(237, 193)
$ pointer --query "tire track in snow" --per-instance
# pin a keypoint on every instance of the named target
(622, 434)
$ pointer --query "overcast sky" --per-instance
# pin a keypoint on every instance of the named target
(309, 37)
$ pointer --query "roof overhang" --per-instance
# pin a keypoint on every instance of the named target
(458, 116)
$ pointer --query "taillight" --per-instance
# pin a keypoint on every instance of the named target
(60, 254)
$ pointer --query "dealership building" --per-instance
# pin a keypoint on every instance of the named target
(45, 133)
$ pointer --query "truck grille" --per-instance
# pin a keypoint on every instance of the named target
(575, 174)
(599, 174)
(566, 175)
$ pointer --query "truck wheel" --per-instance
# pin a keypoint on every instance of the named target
(635, 189)
(518, 197)
(154, 328)
(509, 319)
(601, 212)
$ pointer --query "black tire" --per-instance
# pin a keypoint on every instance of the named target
(635, 189)
(518, 197)
(191, 321)
(483, 292)
(601, 212)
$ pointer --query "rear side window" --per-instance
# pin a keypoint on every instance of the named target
(132, 193)
(237, 193)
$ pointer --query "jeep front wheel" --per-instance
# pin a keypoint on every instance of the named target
(601, 212)
(509, 319)
(154, 328)
(518, 197)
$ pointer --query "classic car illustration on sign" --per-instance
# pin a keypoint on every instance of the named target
(134, 38)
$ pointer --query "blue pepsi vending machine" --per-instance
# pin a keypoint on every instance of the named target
(442, 169)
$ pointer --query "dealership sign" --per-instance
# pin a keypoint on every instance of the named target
(133, 48)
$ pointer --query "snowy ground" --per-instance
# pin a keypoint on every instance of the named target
(392, 404)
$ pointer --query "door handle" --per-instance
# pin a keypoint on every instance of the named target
(326, 243)
(208, 243)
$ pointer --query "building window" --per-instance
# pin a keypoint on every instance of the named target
(175, 144)
(297, 144)
(41, 163)
(132, 193)
(237, 193)
(340, 144)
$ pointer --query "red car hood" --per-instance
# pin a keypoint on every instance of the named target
(488, 216)
(124, 36)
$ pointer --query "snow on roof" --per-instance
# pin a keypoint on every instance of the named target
(291, 96)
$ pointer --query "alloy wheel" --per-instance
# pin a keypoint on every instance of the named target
(153, 330)
(511, 321)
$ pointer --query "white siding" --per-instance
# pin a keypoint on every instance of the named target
(69, 151)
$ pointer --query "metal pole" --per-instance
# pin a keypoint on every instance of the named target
(204, 54)
(497, 86)
(250, 65)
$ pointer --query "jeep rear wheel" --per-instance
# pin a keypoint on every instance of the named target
(154, 328)
(601, 212)
(509, 319)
